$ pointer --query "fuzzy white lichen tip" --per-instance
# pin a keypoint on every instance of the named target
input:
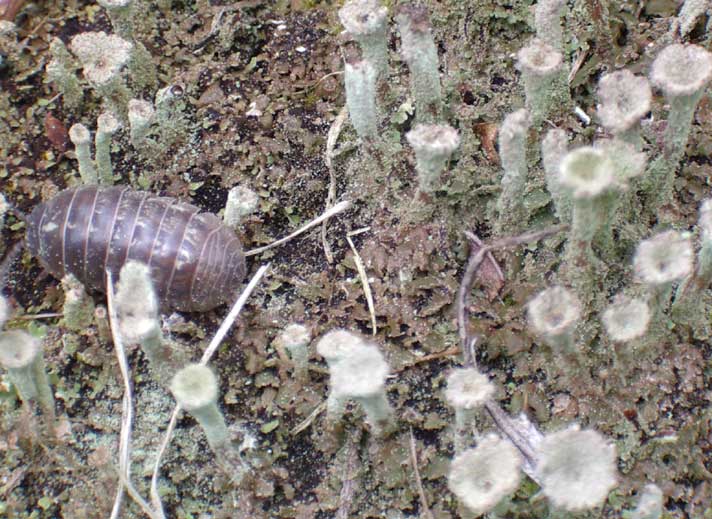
(577, 469)
(483, 476)
(102, 55)
(467, 388)
(626, 319)
(624, 99)
(664, 258)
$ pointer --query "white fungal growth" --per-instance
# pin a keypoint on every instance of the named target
(624, 99)
(577, 469)
(102, 56)
(483, 476)
(626, 319)
(664, 258)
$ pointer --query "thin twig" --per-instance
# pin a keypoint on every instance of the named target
(331, 139)
(418, 481)
(207, 355)
(309, 419)
(430, 357)
(332, 211)
(364, 281)
(232, 315)
(140, 501)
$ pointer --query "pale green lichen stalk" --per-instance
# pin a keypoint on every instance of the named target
(540, 65)
(688, 305)
(553, 315)
(138, 313)
(626, 322)
(421, 55)
(195, 388)
(81, 138)
(357, 371)
(512, 150)
(107, 124)
(587, 173)
(360, 85)
(21, 355)
(433, 145)
(682, 72)
(141, 115)
(547, 21)
(367, 22)
(659, 262)
(78, 308)
(554, 147)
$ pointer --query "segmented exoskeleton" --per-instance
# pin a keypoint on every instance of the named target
(196, 262)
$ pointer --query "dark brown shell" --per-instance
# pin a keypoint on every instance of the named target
(196, 262)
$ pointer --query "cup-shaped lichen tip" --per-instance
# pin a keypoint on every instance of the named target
(586, 171)
(483, 476)
(554, 312)
(624, 99)
(577, 469)
(102, 55)
(467, 388)
(664, 258)
(195, 387)
(626, 319)
(681, 70)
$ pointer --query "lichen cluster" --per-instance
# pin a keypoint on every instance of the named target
(487, 117)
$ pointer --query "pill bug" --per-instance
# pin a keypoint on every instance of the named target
(196, 262)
